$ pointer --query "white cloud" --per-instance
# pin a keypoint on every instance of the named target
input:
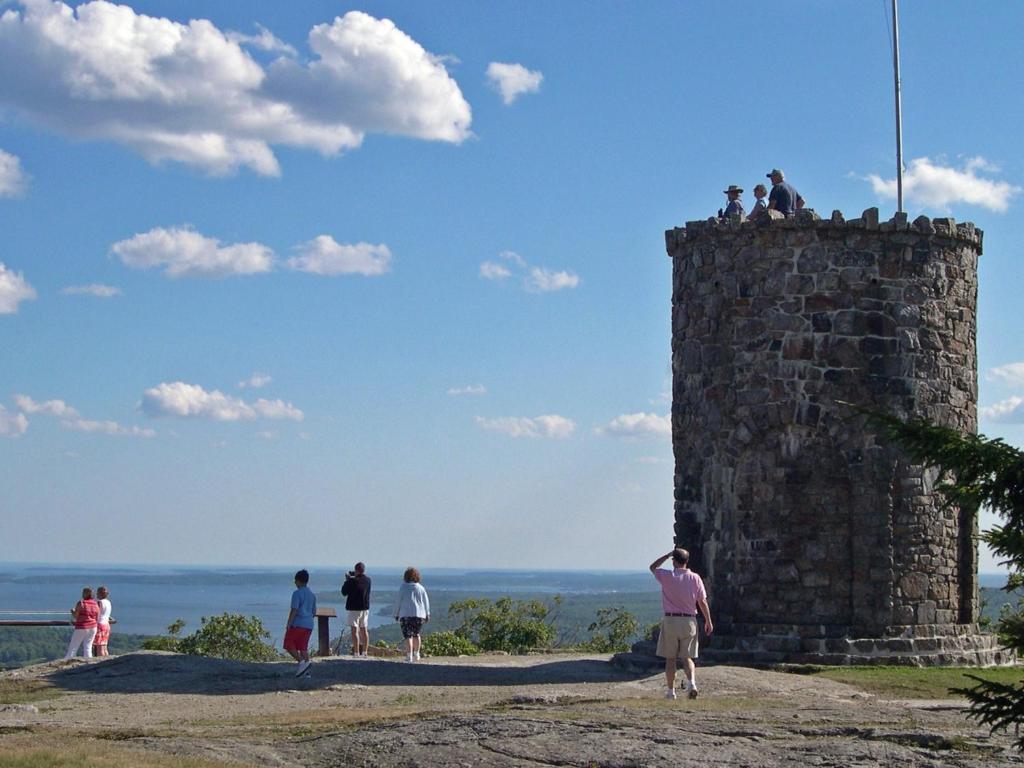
(181, 400)
(183, 252)
(1008, 411)
(542, 280)
(256, 381)
(190, 93)
(472, 389)
(71, 419)
(1011, 373)
(277, 409)
(98, 290)
(106, 428)
(513, 80)
(13, 180)
(634, 425)
(535, 279)
(57, 408)
(324, 256)
(268, 434)
(13, 290)
(939, 186)
(551, 426)
(12, 424)
(265, 41)
(490, 270)
(514, 258)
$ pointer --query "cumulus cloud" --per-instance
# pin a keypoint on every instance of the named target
(550, 426)
(13, 290)
(472, 389)
(637, 425)
(1008, 411)
(57, 408)
(256, 381)
(940, 186)
(98, 290)
(12, 424)
(13, 180)
(190, 93)
(534, 279)
(1011, 373)
(71, 419)
(183, 252)
(513, 80)
(324, 256)
(542, 280)
(490, 270)
(265, 41)
(190, 401)
(106, 428)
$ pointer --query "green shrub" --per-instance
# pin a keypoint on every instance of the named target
(228, 636)
(515, 626)
(652, 632)
(614, 629)
(447, 643)
(168, 642)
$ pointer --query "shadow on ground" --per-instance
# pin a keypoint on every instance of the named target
(155, 672)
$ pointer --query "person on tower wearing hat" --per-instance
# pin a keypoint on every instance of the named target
(735, 205)
(783, 198)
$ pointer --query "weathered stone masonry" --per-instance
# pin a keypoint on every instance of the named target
(818, 541)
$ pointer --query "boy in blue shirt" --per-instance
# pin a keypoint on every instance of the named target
(300, 622)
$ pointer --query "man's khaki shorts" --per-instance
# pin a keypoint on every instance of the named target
(678, 638)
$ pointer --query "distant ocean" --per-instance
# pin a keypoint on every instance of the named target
(146, 599)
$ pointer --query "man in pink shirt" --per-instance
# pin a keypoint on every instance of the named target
(682, 593)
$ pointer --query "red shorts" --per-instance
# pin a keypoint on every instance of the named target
(102, 634)
(297, 638)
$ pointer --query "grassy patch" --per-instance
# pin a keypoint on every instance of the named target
(25, 691)
(58, 752)
(916, 682)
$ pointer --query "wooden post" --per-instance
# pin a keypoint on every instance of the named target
(323, 618)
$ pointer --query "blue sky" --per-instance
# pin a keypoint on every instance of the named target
(312, 282)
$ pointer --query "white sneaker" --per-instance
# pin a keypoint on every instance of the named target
(303, 667)
(362, 655)
(670, 694)
(416, 655)
(409, 657)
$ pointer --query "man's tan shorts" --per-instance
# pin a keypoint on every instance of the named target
(678, 638)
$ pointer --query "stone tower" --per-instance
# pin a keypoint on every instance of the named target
(818, 541)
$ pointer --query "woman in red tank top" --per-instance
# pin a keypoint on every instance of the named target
(85, 613)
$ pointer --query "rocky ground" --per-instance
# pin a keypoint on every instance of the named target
(484, 711)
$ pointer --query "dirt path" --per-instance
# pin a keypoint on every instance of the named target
(488, 711)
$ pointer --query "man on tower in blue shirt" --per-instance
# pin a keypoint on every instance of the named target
(783, 198)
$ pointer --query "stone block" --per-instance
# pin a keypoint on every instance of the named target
(924, 225)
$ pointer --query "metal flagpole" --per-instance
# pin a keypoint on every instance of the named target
(899, 118)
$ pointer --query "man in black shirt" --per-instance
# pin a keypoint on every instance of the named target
(356, 590)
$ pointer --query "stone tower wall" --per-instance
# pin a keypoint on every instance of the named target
(799, 517)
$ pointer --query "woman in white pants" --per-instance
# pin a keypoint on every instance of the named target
(85, 614)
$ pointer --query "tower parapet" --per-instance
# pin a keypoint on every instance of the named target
(820, 542)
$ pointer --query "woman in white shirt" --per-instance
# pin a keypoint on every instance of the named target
(99, 643)
(412, 612)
